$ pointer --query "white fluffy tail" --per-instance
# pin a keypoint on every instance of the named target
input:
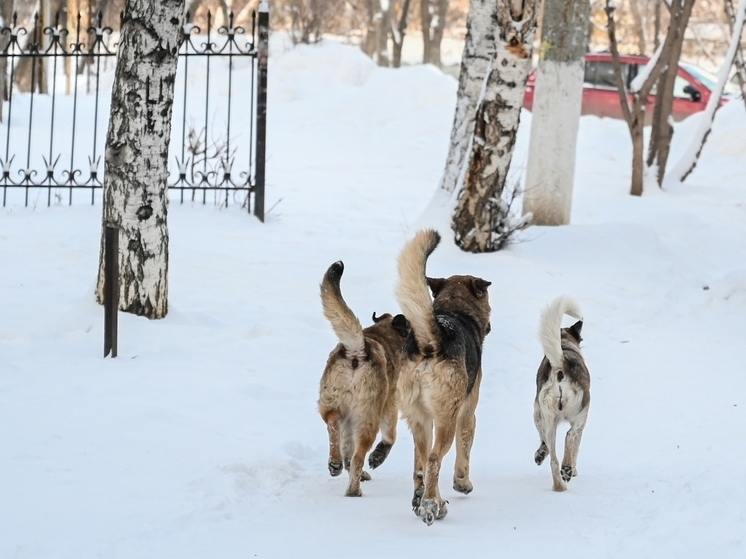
(411, 289)
(550, 325)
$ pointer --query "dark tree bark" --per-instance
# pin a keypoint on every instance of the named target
(739, 60)
(6, 13)
(633, 107)
(136, 162)
(398, 33)
(433, 21)
(661, 131)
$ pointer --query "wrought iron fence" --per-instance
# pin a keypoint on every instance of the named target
(58, 84)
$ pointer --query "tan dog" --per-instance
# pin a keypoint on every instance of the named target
(563, 389)
(358, 387)
(439, 380)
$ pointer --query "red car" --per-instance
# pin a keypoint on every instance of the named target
(601, 98)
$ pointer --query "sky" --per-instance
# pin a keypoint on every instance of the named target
(203, 439)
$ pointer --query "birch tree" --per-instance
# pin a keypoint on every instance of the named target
(556, 112)
(479, 49)
(136, 160)
(688, 161)
(739, 59)
(481, 220)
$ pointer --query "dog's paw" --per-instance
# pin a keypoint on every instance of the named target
(568, 472)
(379, 454)
(463, 485)
(559, 486)
(351, 492)
(540, 454)
(335, 468)
(417, 498)
(431, 510)
(365, 476)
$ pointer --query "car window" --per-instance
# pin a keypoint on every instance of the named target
(600, 74)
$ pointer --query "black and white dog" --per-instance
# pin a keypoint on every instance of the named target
(563, 389)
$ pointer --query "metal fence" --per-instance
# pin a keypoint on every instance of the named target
(58, 90)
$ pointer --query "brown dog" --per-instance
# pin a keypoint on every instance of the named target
(358, 387)
(563, 389)
(439, 380)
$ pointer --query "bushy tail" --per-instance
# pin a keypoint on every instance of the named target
(411, 289)
(346, 325)
(550, 325)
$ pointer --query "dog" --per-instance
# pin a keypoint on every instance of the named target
(441, 373)
(563, 389)
(357, 393)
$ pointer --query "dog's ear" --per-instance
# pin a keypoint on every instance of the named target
(435, 284)
(575, 330)
(377, 319)
(479, 286)
(401, 325)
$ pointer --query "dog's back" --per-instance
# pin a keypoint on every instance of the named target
(357, 392)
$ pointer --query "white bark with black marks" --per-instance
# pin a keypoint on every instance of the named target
(136, 162)
(481, 221)
(479, 49)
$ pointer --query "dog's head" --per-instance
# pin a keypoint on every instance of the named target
(463, 294)
(398, 324)
(572, 333)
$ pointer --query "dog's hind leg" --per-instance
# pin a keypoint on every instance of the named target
(542, 451)
(388, 434)
(422, 436)
(333, 427)
(465, 428)
(572, 445)
(432, 507)
(550, 437)
(366, 435)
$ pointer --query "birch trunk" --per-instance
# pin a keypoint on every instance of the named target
(739, 60)
(556, 112)
(688, 161)
(481, 222)
(136, 162)
(479, 48)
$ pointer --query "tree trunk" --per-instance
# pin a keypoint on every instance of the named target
(136, 162)
(739, 59)
(661, 131)
(479, 49)
(426, 17)
(6, 15)
(688, 161)
(556, 112)
(397, 34)
(481, 221)
(383, 26)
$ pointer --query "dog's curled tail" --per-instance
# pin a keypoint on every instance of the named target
(550, 325)
(411, 290)
(346, 325)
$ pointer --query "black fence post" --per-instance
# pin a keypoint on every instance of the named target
(111, 289)
(261, 107)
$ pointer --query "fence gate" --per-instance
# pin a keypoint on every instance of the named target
(57, 87)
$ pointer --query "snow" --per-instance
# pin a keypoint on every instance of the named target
(202, 438)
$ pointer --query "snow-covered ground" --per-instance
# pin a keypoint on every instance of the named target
(202, 439)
